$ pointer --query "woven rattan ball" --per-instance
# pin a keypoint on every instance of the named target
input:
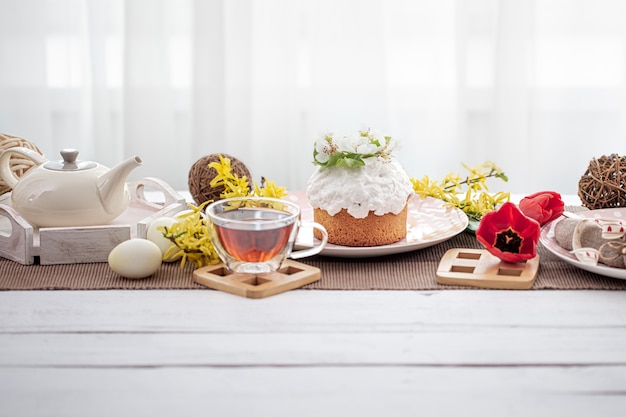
(19, 164)
(200, 176)
(603, 185)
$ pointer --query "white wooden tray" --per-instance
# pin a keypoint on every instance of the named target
(23, 243)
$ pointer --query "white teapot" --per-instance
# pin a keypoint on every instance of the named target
(67, 192)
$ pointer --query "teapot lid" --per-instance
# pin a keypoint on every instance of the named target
(69, 162)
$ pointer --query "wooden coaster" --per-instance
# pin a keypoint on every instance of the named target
(479, 268)
(291, 275)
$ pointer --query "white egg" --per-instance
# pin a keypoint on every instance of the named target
(135, 258)
(155, 235)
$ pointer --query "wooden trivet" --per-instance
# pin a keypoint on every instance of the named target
(479, 268)
(290, 276)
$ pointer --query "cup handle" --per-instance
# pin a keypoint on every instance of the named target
(315, 249)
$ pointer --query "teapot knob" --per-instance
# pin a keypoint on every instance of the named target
(69, 162)
(69, 155)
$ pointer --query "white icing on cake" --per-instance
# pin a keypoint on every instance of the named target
(381, 186)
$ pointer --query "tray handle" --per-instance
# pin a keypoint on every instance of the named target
(20, 236)
(157, 187)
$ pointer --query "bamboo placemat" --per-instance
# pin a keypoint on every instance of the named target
(409, 271)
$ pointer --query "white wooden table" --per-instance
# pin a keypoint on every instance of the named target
(313, 353)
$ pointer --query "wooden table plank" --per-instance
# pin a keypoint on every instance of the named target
(428, 347)
(315, 391)
(207, 310)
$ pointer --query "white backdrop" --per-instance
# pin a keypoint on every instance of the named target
(538, 87)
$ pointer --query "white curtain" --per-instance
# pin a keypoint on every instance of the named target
(538, 87)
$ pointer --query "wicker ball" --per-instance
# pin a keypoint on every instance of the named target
(200, 176)
(603, 185)
(19, 164)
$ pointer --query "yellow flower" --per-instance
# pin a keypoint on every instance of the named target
(191, 238)
(475, 201)
(234, 186)
(224, 172)
(237, 187)
(269, 189)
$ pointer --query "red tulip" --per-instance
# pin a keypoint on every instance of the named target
(508, 234)
(543, 206)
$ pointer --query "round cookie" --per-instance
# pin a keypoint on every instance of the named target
(564, 232)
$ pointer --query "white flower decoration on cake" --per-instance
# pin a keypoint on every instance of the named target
(349, 151)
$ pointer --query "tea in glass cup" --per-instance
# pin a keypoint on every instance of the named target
(256, 234)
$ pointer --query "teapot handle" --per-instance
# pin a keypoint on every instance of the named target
(6, 173)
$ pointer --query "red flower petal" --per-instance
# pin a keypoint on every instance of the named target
(543, 206)
(508, 234)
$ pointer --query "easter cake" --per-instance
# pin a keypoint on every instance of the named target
(359, 191)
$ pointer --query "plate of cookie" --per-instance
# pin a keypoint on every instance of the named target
(554, 238)
(429, 222)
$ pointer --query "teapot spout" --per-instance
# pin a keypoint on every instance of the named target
(111, 185)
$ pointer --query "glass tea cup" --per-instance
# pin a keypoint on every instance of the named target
(256, 234)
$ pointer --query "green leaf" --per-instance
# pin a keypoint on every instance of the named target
(472, 226)
(351, 162)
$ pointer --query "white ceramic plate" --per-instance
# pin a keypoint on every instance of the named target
(428, 222)
(549, 241)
